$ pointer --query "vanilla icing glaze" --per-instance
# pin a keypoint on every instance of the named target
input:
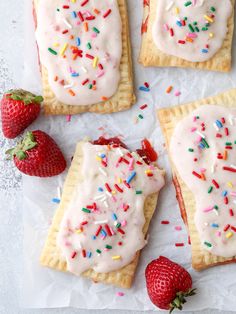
(203, 149)
(192, 30)
(107, 235)
(70, 30)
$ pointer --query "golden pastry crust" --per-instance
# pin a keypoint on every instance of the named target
(51, 255)
(124, 97)
(150, 55)
(169, 118)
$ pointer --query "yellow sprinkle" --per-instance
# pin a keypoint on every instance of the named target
(119, 180)
(208, 18)
(99, 158)
(78, 231)
(56, 44)
(211, 35)
(73, 1)
(176, 10)
(63, 49)
(116, 257)
(113, 192)
(230, 184)
(229, 235)
(95, 62)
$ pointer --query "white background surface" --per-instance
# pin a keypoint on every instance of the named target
(11, 66)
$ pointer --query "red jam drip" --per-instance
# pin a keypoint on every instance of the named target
(147, 152)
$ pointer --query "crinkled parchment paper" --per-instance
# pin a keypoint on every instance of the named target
(47, 288)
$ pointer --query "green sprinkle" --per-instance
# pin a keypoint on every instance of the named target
(213, 9)
(204, 29)
(216, 207)
(188, 3)
(191, 28)
(205, 143)
(197, 117)
(140, 116)
(58, 10)
(197, 29)
(210, 189)
(108, 247)
(139, 192)
(185, 18)
(118, 225)
(98, 251)
(90, 86)
(52, 51)
(96, 30)
(191, 150)
(89, 46)
(234, 142)
(86, 210)
(208, 244)
(195, 23)
(228, 144)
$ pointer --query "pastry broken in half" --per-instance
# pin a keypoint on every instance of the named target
(201, 143)
(107, 203)
(85, 56)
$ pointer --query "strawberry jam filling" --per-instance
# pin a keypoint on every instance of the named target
(146, 152)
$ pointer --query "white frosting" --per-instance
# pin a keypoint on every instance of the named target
(95, 176)
(106, 48)
(196, 46)
(216, 226)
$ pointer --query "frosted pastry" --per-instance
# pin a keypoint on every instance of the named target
(82, 52)
(99, 229)
(188, 33)
(201, 142)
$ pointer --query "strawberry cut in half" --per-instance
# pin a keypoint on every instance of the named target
(19, 109)
(38, 155)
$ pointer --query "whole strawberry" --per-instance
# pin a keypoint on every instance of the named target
(168, 284)
(38, 155)
(19, 109)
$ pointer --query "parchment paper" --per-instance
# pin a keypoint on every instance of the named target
(45, 288)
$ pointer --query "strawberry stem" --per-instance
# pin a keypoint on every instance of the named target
(180, 299)
(26, 144)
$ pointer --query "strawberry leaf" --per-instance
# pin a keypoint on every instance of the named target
(24, 96)
(180, 299)
(20, 155)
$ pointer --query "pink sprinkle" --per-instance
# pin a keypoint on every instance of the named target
(192, 35)
(203, 169)
(194, 119)
(114, 198)
(123, 223)
(177, 93)
(193, 129)
(208, 209)
(94, 35)
(120, 294)
(166, 27)
(100, 74)
(67, 243)
(178, 228)
(131, 164)
(68, 118)
(218, 233)
(199, 138)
